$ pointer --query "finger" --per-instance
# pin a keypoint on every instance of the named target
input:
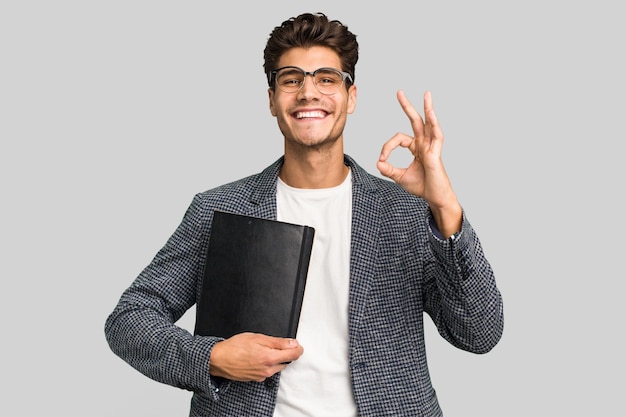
(417, 123)
(289, 355)
(399, 139)
(283, 352)
(279, 343)
(432, 128)
(390, 171)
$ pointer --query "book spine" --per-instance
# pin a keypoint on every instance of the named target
(303, 268)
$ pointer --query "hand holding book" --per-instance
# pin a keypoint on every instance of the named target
(252, 291)
(252, 356)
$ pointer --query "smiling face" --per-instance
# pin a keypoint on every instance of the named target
(309, 119)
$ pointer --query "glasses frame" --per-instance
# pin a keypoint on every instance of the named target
(344, 76)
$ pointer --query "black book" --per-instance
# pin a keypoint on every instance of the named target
(254, 277)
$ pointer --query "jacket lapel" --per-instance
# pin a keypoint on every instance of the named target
(263, 196)
(364, 243)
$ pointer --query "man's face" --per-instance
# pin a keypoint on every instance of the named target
(309, 118)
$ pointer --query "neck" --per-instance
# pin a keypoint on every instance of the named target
(314, 168)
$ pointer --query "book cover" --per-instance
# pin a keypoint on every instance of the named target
(254, 278)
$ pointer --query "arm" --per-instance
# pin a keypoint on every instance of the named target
(460, 293)
(141, 328)
(459, 290)
(142, 331)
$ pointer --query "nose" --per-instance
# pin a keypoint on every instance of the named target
(308, 88)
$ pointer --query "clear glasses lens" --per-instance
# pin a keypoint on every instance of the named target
(326, 80)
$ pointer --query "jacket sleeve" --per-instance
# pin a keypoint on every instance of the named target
(460, 292)
(141, 329)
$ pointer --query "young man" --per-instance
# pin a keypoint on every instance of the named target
(384, 253)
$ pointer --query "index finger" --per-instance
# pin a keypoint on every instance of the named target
(417, 123)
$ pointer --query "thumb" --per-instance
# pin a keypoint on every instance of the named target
(281, 343)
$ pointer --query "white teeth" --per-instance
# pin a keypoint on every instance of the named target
(307, 114)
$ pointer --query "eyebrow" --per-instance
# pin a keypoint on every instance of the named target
(289, 70)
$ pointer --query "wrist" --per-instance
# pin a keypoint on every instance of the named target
(448, 220)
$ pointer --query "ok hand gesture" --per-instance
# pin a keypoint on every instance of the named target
(425, 176)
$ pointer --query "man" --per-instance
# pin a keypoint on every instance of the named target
(384, 253)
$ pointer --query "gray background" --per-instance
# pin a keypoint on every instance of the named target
(114, 114)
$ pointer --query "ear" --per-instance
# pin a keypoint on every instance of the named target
(351, 99)
(270, 94)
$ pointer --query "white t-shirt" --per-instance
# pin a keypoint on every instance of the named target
(318, 383)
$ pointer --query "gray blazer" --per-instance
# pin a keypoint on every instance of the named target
(399, 269)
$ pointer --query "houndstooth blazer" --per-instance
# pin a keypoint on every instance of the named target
(399, 269)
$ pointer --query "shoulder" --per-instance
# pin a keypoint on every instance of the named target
(237, 195)
(241, 186)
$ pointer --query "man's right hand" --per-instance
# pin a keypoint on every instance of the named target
(252, 356)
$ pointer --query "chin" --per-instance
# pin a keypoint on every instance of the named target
(313, 143)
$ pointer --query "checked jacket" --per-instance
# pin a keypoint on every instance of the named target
(399, 270)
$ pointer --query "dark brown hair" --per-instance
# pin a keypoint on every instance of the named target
(309, 30)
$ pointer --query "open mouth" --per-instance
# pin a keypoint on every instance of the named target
(315, 114)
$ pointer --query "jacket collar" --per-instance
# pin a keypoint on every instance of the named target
(266, 182)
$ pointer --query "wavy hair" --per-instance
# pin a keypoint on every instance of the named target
(308, 30)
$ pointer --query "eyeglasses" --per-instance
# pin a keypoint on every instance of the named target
(291, 79)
